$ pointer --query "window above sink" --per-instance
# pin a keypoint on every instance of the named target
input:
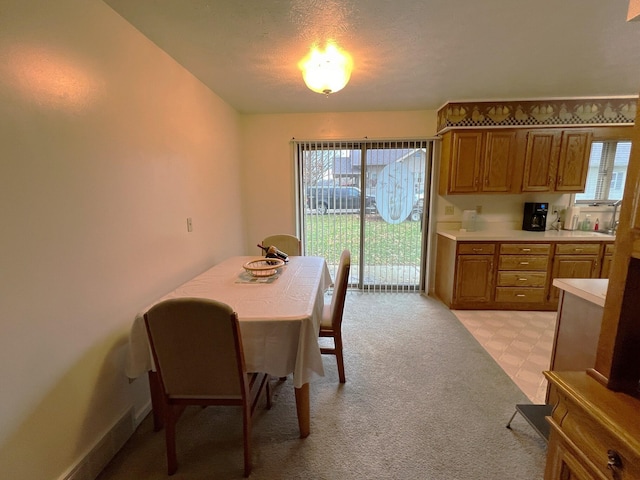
(606, 174)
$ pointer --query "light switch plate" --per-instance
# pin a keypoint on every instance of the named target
(448, 210)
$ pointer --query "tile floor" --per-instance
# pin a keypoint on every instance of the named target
(520, 342)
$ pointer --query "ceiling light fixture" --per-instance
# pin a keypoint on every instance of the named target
(326, 71)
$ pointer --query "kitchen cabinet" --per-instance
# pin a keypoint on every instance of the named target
(522, 273)
(573, 163)
(478, 162)
(474, 274)
(510, 274)
(465, 273)
(540, 160)
(575, 260)
(607, 259)
(556, 160)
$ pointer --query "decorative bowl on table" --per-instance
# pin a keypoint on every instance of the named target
(263, 267)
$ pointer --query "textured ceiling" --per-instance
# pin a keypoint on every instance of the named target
(408, 54)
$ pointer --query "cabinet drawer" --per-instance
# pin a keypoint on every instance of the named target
(577, 248)
(522, 262)
(594, 442)
(525, 248)
(522, 279)
(476, 248)
(609, 249)
(519, 295)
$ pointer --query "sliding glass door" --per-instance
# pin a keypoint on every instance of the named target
(368, 197)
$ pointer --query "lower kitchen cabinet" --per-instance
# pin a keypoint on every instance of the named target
(606, 260)
(465, 273)
(474, 274)
(511, 275)
(575, 260)
(522, 274)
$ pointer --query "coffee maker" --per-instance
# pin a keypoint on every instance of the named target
(534, 218)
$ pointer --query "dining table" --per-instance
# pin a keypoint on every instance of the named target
(279, 319)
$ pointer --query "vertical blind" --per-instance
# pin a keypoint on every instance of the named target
(368, 197)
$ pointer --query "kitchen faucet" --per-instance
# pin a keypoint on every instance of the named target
(614, 223)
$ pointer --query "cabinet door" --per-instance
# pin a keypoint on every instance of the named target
(466, 156)
(573, 162)
(562, 464)
(573, 266)
(540, 161)
(499, 159)
(607, 258)
(474, 279)
(606, 266)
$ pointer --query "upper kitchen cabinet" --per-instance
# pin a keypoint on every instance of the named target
(520, 146)
(556, 160)
(477, 161)
(540, 160)
(573, 163)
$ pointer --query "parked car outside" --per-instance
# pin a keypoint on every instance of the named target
(418, 207)
(338, 198)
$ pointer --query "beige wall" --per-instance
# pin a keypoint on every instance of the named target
(106, 147)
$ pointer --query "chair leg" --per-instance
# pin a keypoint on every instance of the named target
(170, 438)
(246, 431)
(268, 387)
(157, 403)
(339, 358)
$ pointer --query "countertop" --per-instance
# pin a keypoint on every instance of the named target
(522, 235)
(593, 290)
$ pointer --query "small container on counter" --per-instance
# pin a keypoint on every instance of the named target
(571, 218)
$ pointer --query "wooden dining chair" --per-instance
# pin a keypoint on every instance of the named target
(197, 349)
(331, 324)
(289, 244)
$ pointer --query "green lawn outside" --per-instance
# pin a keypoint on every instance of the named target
(386, 244)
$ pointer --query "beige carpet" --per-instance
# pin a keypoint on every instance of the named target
(423, 400)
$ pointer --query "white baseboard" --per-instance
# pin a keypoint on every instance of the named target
(141, 414)
(96, 457)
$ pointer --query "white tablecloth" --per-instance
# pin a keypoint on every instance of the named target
(279, 321)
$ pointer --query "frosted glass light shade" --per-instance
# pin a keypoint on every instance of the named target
(326, 71)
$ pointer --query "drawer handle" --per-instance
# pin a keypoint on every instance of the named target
(523, 279)
(477, 249)
(614, 462)
(520, 295)
(524, 263)
(577, 250)
(525, 249)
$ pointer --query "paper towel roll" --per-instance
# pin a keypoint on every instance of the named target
(571, 218)
(469, 220)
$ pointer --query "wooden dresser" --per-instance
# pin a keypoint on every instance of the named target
(595, 432)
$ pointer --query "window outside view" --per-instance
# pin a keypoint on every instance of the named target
(607, 172)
